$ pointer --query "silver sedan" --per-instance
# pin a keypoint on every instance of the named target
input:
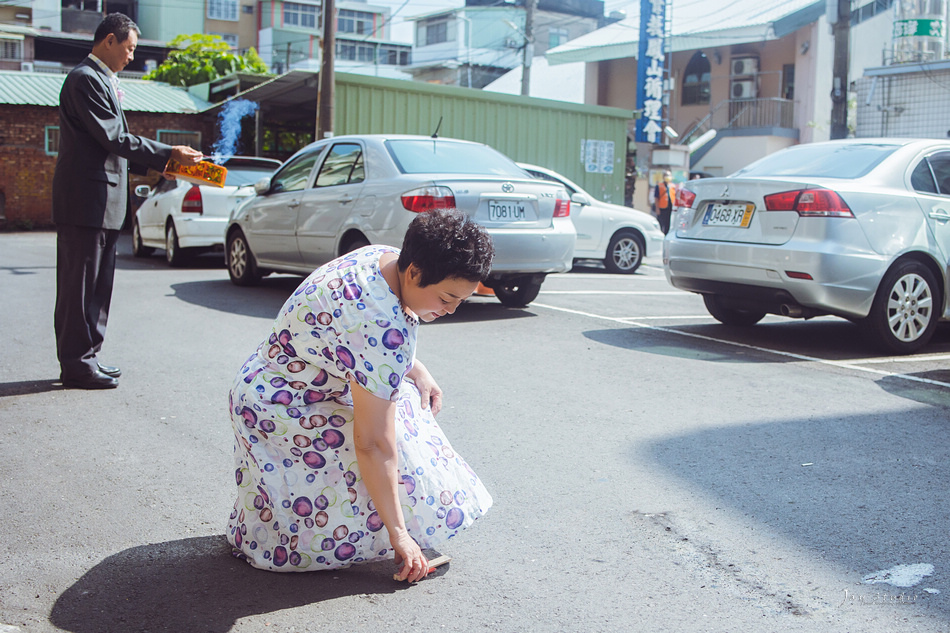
(858, 228)
(338, 194)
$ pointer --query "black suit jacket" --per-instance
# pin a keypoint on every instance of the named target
(91, 181)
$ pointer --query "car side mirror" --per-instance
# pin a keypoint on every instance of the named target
(262, 186)
(142, 191)
(579, 198)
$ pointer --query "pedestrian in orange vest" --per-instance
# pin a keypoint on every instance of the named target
(664, 197)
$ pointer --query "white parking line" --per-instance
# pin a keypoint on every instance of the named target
(848, 364)
(613, 292)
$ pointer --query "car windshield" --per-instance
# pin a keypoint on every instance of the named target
(440, 156)
(238, 176)
(819, 160)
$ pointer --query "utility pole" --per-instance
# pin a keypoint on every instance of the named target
(840, 11)
(325, 94)
(529, 7)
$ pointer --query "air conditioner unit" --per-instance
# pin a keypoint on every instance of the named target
(26, 67)
(745, 66)
(743, 89)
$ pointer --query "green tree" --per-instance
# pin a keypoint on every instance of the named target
(199, 58)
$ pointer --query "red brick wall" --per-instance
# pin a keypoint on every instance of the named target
(26, 171)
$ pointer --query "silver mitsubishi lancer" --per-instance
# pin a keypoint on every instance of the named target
(857, 228)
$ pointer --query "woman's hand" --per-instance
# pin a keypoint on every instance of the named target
(415, 566)
(428, 388)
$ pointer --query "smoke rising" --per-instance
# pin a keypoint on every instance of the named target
(229, 128)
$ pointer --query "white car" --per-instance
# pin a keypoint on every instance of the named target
(185, 218)
(341, 193)
(618, 236)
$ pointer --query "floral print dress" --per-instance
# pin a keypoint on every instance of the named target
(301, 502)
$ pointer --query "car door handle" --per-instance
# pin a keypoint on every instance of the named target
(293, 204)
(346, 199)
(941, 215)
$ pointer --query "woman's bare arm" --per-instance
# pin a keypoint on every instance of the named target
(374, 435)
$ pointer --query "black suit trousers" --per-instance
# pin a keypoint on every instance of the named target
(85, 271)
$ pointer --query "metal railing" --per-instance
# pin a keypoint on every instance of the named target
(735, 114)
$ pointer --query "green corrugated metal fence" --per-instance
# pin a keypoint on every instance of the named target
(539, 131)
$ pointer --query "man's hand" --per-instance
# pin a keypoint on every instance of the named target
(186, 155)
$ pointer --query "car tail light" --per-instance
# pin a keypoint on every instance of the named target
(809, 203)
(192, 202)
(684, 197)
(428, 199)
(562, 208)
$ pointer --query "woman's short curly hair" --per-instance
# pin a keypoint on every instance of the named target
(447, 243)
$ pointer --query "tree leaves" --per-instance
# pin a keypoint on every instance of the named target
(199, 58)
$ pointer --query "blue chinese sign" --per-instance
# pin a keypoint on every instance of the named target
(650, 70)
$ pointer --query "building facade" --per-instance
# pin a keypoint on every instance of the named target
(474, 45)
(290, 36)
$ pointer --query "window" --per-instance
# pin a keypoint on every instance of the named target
(231, 39)
(809, 161)
(366, 53)
(303, 15)
(696, 81)
(223, 10)
(441, 156)
(343, 166)
(294, 175)
(434, 31)
(556, 37)
(52, 140)
(393, 55)
(180, 137)
(358, 22)
(247, 9)
(932, 175)
(788, 81)
(346, 50)
(12, 49)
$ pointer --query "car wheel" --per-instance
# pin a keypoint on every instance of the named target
(905, 311)
(624, 254)
(174, 254)
(241, 266)
(728, 315)
(517, 295)
(138, 248)
(355, 243)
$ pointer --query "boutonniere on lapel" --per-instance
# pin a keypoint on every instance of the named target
(120, 94)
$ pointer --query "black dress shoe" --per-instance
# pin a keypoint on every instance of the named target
(95, 380)
(108, 370)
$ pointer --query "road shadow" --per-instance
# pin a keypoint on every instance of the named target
(262, 301)
(921, 392)
(203, 261)
(28, 387)
(25, 270)
(196, 585)
(865, 492)
(828, 339)
(481, 309)
(266, 299)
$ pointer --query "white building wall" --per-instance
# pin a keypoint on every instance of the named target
(48, 14)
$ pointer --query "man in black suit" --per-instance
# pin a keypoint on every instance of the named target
(91, 199)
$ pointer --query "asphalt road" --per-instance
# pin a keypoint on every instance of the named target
(651, 469)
